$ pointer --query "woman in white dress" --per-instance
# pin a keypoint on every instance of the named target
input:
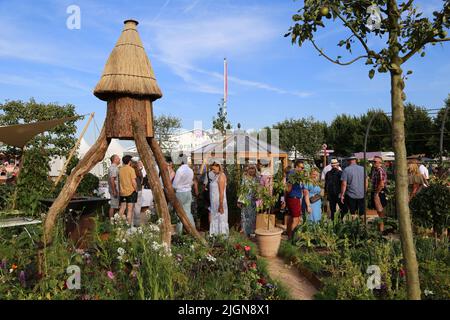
(219, 207)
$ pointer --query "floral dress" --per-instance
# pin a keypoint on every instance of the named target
(219, 221)
(248, 211)
(316, 207)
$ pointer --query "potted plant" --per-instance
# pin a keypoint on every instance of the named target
(268, 237)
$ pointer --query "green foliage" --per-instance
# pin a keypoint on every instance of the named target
(306, 135)
(134, 264)
(220, 122)
(56, 142)
(340, 252)
(6, 192)
(431, 207)
(402, 27)
(33, 183)
(434, 141)
(345, 135)
(165, 127)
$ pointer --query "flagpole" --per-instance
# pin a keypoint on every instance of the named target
(225, 85)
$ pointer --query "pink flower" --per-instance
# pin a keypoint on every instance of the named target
(259, 203)
(247, 248)
(402, 272)
(110, 275)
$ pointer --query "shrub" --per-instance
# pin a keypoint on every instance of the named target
(431, 207)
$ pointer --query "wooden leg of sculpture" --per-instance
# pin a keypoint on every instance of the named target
(170, 192)
(95, 154)
(147, 158)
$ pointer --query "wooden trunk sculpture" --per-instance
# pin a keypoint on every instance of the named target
(129, 86)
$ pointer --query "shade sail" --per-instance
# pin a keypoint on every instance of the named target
(18, 135)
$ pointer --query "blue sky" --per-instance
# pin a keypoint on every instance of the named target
(186, 40)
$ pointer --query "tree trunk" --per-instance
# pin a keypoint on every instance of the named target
(147, 158)
(401, 184)
(95, 154)
(170, 192)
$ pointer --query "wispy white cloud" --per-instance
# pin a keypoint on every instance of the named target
(160, 11)
(191, 6)
(185, 45)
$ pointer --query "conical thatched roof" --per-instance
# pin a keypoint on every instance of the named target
(128, 71)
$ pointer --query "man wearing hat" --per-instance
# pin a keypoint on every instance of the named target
(353, 186)
(379, 183)
(333, 187)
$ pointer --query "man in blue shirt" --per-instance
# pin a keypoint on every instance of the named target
(293, 196)
(352, 187)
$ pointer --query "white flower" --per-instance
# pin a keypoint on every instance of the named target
(192, 247)
(156, 246)
(210, 258)
(121, 251)
(11, 270)
(159, 222)
(428, 292)
(131, 231)
(124, 240)
(153, 228)
(139, 230)
(148, 212)
(120, 258)
(116, 217)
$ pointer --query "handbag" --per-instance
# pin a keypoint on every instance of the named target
(315, 198)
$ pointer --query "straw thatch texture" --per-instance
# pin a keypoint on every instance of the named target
(128, 71)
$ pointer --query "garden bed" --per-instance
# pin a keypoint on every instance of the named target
(132, 263)
(340, 272)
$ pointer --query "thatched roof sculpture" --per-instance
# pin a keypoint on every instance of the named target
(128, 71)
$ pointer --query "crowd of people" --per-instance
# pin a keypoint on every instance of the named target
(9, 169)
(336, 191)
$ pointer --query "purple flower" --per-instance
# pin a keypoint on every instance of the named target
(22, 278)
(3, 264)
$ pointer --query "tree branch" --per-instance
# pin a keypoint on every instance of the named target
(336, 61)
(407, 5)
(370, 53)
(415, 50)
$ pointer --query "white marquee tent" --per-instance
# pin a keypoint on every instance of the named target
(100, 169)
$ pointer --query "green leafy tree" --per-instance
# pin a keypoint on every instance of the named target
(345, 135)
(306, 135)
(165, 128)
(33, 182)
(220, 121)
(434, 141)
(379, 138)
(418, 129)
(406, 33)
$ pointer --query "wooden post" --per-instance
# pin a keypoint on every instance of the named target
(95, 154)
(146, 155)
(170, 192)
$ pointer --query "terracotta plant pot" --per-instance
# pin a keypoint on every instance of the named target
(268, 241)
